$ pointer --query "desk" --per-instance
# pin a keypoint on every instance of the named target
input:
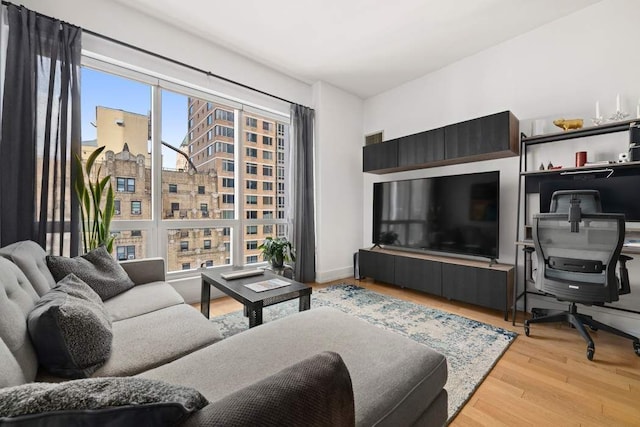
(528, 248)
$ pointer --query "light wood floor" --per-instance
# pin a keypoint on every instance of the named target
(541, 380)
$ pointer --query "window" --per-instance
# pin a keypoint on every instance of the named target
(208, 263)
(136, 207)
(267, 170)
(126, 252)
(227, 165)
(211, 146)
(267, 229)
(224, 131)
(252, 244)
(186, 266)
(267, 200)
(125, 185)
(224, 115)
(267, 214)
(252, 259)
(252, 168)
(252, 200)
(116, 207)
(207, 244)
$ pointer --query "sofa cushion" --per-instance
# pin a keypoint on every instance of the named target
(104, 401)
(142, 299)
(10, 371)
(147, 341)
(314, 392)
(17, 298)
(70, 329)
(395, 379)
(31, 259)
(96, 268)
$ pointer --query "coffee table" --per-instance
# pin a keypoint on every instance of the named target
(253, 301)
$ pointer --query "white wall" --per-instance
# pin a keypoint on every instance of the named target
(338, 170)
(125, 24)
(558, 70)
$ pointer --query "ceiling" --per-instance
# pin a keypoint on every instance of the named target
(362, 46)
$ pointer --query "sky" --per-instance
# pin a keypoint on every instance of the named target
(108, 90)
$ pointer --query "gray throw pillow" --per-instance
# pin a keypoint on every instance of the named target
(97, 269)
(126, 401)
(70, 329)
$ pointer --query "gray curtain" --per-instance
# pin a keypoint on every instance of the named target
(304, 237)
(40, 132)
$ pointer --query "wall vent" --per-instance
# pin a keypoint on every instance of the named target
(373, 138)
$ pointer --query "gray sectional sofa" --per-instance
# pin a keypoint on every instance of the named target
(368, 377)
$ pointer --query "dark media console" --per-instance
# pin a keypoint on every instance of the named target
(476, 282)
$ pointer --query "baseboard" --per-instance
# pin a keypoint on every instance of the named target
(329, 276)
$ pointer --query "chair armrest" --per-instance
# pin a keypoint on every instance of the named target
(625, 286)
(314, 392)
(145, 270)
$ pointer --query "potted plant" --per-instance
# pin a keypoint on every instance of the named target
(96, 205)
(277, 251)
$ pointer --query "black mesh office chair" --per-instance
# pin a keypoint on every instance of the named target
(577, 256)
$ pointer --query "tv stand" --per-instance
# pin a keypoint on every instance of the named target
(457, 279)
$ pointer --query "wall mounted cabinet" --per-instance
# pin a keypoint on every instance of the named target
(484, 138)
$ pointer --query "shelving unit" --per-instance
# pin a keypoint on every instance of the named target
(529, 182)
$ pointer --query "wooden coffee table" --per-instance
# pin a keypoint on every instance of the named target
(253, 301)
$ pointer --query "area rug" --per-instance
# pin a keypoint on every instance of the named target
(471, 347)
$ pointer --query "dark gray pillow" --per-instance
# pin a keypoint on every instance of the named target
(126, 401)
(97, 269)
(70, 329)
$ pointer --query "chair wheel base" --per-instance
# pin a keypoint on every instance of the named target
(590, 352)
(636, 347)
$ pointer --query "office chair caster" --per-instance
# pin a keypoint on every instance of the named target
(636, 347)
(590, 352)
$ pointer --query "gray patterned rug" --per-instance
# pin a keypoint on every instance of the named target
(471, 347)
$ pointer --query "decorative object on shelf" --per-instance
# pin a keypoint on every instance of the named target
(619, 114)
(541, 167)
(567, 124)
(598, 119)
(555, 167)
(581, 158)
(623, 157)
(277, 251)
(550, 166)
(537, 127)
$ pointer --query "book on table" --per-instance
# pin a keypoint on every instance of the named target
(267, 285)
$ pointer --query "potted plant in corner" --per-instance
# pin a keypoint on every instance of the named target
(96, 204)
(277, 251)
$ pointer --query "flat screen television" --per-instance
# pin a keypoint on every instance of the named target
(455, 214)
(617, 193)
